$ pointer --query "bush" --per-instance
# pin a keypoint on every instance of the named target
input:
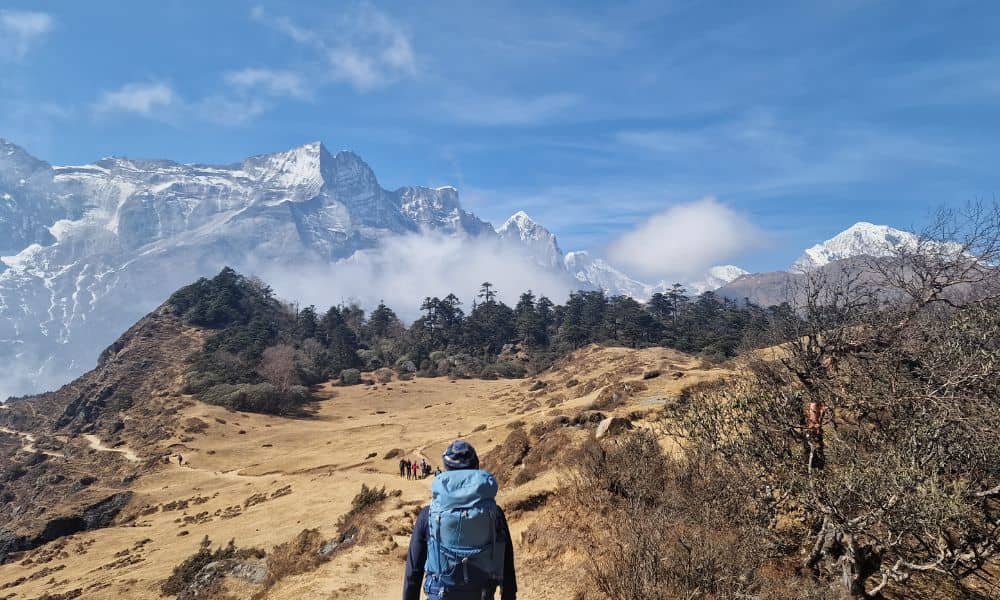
(383, 375)
(443, 366)
(296, 556)
(370, 360)
(405, 365)
(438, 356)
(508, 369)
(185, 574)
(350, 377)
(260, 397)
(366, 500)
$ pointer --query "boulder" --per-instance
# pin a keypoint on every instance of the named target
(612, 426)
(251, 570)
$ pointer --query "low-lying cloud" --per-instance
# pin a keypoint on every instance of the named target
(403, 270)
(685, 240)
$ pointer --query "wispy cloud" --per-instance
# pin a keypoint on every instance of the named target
(367, 49)
(159, 101)
(141, 98)
(20, 31)
(508, 110)
(274, 82)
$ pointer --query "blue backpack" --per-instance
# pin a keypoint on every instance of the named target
(464, 548)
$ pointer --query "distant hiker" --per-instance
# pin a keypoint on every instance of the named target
(437, 471)
(180, 459)
(461, 547)
(416, 470)
(403, 466)
(425, 470)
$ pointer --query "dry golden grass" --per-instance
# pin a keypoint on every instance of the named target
(281, 476)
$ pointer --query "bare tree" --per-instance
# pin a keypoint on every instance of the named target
(877, 419)
(277, 367)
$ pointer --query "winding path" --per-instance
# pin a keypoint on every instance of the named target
(96, 443)
(28, 443)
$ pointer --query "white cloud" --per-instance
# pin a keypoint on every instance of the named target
(403, 270)
(227, 110)
(367, 49)
(146, 99)
(685, 240)
(509, 110)
(269, 81)
(20, 31)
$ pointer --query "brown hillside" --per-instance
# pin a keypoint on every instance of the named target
(261, 480)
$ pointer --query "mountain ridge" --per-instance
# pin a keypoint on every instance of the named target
(87, 249)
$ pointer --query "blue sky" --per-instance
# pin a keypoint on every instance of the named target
(591, 117)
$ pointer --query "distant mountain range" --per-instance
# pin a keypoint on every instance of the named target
(87, 250)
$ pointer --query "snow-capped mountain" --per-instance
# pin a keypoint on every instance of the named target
(860, 239)
(715, 278)
(540, 243)
(598, 274)
(86, 250)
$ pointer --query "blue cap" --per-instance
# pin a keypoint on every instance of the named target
(460, 455)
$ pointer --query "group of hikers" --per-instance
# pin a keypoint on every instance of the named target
(461, 548)
(411, 469)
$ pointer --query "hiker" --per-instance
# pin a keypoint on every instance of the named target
(416, 470)
(463, 520)
(402, 467)
(180, 459)
(437, 471)
(426, 470)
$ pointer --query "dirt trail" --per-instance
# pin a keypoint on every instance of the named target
(28, 443)
(96, 443)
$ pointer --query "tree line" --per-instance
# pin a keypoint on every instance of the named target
(265, 353)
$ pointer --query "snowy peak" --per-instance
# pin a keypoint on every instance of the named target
(601, 275)
(860, 239)
(715, 278)
(540, 243)
(299, 168)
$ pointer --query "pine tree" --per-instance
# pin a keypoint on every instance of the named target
(340, 340)
(306, 323)
(530, 329)
(381, 322)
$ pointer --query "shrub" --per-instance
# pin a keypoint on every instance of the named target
(296, 556)
(508, 369)
(370, 360)
(405, 365)
(185, 574)
(350, 377)
(383, 375)
(366, 500)
(260, 397)
(443, 366)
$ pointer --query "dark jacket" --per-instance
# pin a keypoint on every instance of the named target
(418, 556)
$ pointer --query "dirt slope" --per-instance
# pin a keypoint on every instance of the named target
(260, 480)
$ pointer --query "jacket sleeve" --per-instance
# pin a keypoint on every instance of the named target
(416, 557)
(508, 589)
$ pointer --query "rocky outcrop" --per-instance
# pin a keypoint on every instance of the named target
(96, 516)
(612, 426)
